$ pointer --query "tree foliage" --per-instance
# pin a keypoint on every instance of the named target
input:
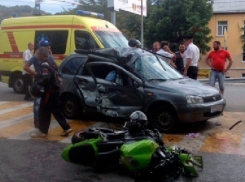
(166, 19)
(171, 19)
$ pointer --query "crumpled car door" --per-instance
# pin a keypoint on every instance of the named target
(119, 100)
(87, 87)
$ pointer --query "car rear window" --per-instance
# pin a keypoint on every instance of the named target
(72, 66)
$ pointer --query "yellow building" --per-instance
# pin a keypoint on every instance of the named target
(226, 23)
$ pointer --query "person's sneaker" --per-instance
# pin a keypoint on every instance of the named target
(38, 134)
(66, 132)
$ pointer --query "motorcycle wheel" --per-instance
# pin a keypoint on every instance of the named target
(83, 135)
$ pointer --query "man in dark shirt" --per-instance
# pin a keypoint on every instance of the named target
(50, 102)
(179, 59)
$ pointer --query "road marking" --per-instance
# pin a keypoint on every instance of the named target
(10, 107)
(16, 122)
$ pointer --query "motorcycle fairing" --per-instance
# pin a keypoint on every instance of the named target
(82, 153)
(137, 155)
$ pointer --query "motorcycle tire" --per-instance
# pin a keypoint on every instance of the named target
(83, 135)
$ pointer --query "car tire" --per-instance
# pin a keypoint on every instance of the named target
(71, 107)
(164, 119)
(18, 84)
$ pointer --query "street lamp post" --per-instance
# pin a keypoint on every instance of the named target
(142, 28)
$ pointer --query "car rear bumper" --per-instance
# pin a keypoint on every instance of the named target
(200, 112)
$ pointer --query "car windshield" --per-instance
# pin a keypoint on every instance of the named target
(112, 39)
(152, 68)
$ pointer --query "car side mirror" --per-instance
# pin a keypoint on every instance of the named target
(136, 84)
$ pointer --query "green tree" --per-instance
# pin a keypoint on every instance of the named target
(171, 19)
(16, 11)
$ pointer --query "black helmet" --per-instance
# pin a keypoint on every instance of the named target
(137, 121)
(134, 43)
(36, 90)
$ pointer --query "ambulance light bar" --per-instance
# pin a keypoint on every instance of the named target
(89, 13)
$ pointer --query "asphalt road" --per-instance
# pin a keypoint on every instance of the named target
(40, 161)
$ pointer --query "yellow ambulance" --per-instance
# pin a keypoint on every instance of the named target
(66, 33)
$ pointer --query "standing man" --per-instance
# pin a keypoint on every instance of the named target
(179, 59)
(216, 60)
(167, 53)
(26, 76)
(27, 67)
(192, 56)
(50, 100)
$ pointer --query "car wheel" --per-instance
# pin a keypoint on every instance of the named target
(164, 119)
(71, 107)
(18, 84)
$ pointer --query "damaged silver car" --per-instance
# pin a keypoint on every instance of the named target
(116, 82)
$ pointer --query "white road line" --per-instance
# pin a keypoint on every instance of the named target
(3, 102)
(14, 108)
(26, 135)
(14, 121)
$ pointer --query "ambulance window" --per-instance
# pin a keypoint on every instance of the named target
(58, 39)
(84, 40)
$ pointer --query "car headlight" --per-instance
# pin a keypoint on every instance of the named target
(191, 99)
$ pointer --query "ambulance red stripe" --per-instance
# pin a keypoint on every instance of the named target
(42, 26)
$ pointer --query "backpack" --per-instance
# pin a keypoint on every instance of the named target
(55, 77)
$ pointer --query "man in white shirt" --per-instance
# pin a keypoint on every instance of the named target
(191, 58)
(167, 54)
(27, 77)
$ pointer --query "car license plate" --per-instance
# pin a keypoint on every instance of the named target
(216, 108)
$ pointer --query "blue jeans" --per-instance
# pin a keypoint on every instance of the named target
(36, 107)
(217, 75)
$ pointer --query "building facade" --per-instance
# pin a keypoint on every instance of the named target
(227, 26)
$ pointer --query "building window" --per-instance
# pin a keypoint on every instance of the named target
(243, 75)
(222, 26)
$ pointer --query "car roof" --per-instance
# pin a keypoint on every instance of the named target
(126, 55)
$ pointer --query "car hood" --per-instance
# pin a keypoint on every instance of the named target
(187, 86)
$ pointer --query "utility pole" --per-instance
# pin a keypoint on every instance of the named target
(37, 7)
(142, 26)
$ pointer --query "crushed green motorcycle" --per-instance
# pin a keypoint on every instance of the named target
(139, 153)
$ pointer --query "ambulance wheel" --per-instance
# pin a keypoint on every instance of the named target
(18, 84)
(71, 107)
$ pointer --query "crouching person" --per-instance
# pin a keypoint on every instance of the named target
(50, 100)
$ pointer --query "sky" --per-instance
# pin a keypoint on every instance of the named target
(49, 6)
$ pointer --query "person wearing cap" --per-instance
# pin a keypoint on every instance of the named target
(47, 44)
(191, 57)
(27, 67)
(216, 61)
(50, 101)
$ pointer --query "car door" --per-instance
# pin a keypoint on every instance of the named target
(86, 87)
(118, 98)
(85, 82)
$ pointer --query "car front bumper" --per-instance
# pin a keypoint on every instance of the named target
(200, 112)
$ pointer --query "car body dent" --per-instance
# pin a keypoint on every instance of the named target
(120, 100)
(117, 100)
